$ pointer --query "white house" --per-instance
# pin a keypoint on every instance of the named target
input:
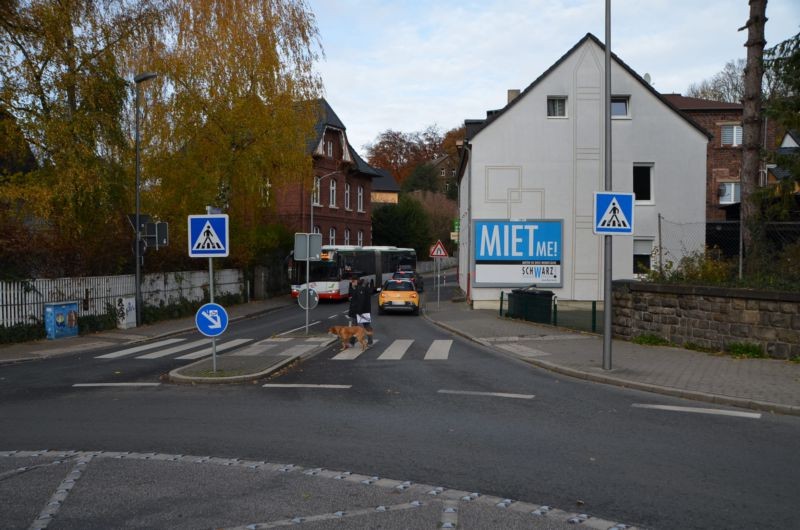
(530, 171)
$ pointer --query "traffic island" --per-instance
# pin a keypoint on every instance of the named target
(252, 363)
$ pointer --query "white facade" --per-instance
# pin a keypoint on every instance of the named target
(525, 165)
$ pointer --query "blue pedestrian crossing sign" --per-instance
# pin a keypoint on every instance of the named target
(211, 320)
(208, 236)
(613, 213)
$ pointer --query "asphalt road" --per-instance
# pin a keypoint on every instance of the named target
(476, 420)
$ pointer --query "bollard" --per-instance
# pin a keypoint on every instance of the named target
(555, 310)
(594, 316)
(501, 303)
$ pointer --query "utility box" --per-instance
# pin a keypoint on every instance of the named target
(61, 320)
(531, 304)
(126, 312)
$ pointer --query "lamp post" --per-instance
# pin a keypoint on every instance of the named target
(308, 239)
(140, 78)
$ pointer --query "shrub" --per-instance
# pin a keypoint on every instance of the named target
(22, 332)
(650, 339)
(746, 350)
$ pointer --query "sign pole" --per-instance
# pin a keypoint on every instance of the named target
(608, 246)
(308, 266)
(438, 279)
(211, 297)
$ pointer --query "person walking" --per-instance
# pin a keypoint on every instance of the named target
(364, 308)
(355, 301)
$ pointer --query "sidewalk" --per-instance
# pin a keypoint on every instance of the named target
(761, 384)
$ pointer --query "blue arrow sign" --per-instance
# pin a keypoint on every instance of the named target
(613, 213)
(211, 320)
(208, 236)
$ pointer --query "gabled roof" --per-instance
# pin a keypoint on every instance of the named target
(328, 118)
(494, 115)
(688, 103)
(385, 182)
(361, 164)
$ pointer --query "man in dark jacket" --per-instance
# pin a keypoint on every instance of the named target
(360, 309)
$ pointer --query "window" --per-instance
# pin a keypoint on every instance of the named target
(730, 192)
(332, 195)
(619, 107)
(731, 135)
(360, 240)
(642, 253)
(317, 229)
(329, 148)
(346, 236)
(346, 196)
(360, 203)
(315, 196)
(332, 236)
(643, 183)
(556, 107)
(441, 172)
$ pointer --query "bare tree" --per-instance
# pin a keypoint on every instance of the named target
(751, 123)
(727, 85)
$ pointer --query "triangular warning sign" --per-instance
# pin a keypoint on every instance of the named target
(614, 218)
(438, 250)
(207, 239)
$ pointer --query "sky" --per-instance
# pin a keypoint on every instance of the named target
(408, 64)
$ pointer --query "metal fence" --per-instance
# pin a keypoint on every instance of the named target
(23, 302)
(718, 240)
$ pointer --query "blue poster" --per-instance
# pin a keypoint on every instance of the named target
(518, 252)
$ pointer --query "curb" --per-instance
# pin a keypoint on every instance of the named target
(763, 406)
(176, 377)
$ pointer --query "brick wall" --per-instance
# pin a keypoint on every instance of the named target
(710, 317)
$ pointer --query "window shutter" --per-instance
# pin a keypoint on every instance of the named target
(727, 134)
(642, 246)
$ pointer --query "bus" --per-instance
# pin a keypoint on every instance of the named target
(330, 276)
(389, 260)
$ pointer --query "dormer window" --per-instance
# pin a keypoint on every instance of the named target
(329, 148)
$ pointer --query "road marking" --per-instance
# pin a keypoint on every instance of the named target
(91, 385)
(296, 329)
(254, 350)
(396, 350)
(352, 352)
(122, 353)
(439, 350)
(697, 410)
(268, 385)
(220, 347)
(174, 349)
(491, 394)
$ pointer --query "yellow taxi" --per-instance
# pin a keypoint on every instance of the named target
(398, 295)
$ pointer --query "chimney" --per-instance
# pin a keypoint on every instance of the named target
(513, 93)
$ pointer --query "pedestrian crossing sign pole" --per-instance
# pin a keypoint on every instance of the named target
(209, 237)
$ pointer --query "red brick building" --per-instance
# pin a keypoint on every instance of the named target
(342, 201)
(724, 156)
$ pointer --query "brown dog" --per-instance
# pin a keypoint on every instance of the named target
(345, 333)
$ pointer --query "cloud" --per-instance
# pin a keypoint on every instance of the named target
(406, 65)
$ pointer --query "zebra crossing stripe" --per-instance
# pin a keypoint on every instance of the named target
(123, 353)
(220, 347)
(396, 350)
(439, 350)
(175, 349)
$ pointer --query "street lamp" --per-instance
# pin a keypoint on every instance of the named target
(317, 180)
(140, 78)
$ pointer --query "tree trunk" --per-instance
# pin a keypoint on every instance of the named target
(751, 122)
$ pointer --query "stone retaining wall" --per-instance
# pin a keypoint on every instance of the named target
(711, 317)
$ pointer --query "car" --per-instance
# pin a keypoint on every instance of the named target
(410, 275)
(398, 295)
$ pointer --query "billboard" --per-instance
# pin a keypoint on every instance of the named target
(521, 252)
